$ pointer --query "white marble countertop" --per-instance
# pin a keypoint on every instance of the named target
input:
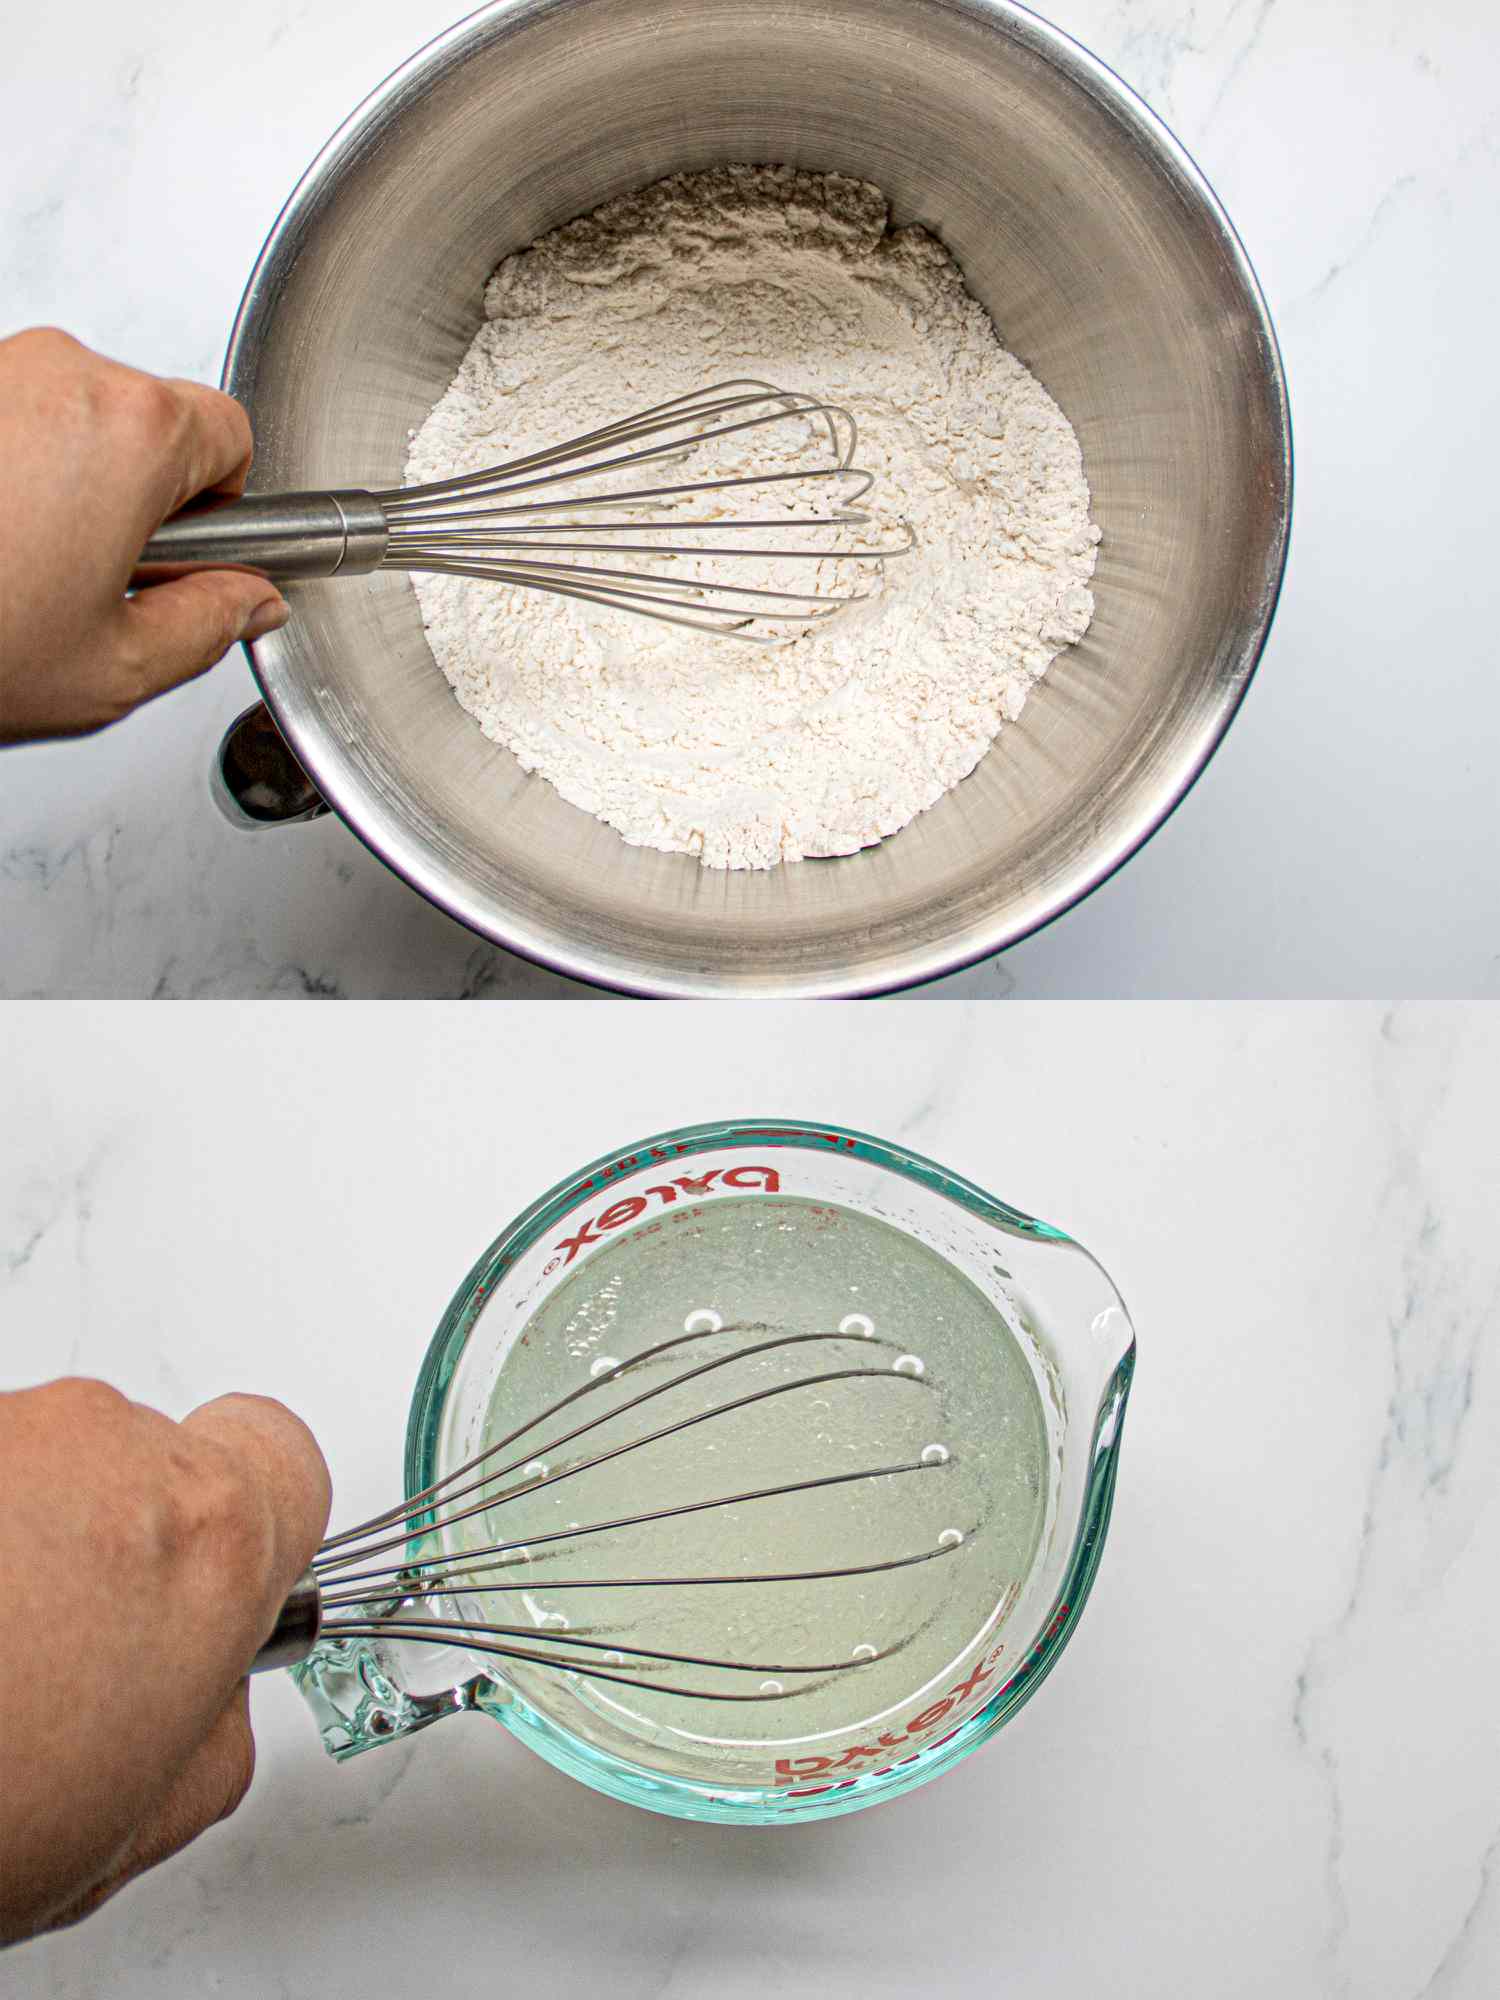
(1268, 1762)
(1344, 841)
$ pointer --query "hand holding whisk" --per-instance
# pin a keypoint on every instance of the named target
(579, 519)
(367, 1582)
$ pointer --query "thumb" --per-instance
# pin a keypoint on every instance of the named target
(173, 631)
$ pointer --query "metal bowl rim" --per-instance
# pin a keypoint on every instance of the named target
(340, 787)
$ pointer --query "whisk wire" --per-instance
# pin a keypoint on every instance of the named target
(585, 1669)
(637, 1444)
(418, 1584)
(493, 482)
(491, 525)
(540, 1634)
(417, 1506)
(621, 600)
(621, 577)
(694, 407)
(437, 528)
(417, 1595)
(802, 477)
(576, 1534)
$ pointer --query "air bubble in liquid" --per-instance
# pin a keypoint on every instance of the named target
(908, 1364)
(704, 1320)
(772, 1687)
(536, 1470)
(935, 1454)
(605, 1365)
(863, 1652)
(950, 1538)
(859, 1323)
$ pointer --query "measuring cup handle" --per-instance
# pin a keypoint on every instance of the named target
(356, 1690)
(257, 781)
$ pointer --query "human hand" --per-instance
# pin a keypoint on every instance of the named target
(93, 458)
(143, 1562)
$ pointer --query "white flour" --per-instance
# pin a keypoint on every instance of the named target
(743, 756)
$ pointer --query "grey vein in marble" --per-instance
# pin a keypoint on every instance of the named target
(1469, 1952)
(1438, 1328)
(1368, 237)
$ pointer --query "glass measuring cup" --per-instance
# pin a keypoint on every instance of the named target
(1063, 1312)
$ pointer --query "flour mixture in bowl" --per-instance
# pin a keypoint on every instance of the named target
(741, 756)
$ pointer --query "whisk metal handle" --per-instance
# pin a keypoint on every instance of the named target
(283, 535)
(295, 1632)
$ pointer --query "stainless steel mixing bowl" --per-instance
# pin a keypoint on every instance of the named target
(1108, 267)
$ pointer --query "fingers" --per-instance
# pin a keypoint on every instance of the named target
(208, 1788)
(212, 445)
(144, 1561)
(165, 440)
(103, 454)
(278, 1455)
(174, 631)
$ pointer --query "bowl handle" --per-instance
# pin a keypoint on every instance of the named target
(256, 781)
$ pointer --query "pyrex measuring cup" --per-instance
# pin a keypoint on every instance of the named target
(1062, 1310)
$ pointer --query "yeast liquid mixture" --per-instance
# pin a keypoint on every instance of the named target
(953, 1394)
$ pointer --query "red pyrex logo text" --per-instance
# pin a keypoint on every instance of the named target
(864, 1754)
(766, 1179)
(888, 1740)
